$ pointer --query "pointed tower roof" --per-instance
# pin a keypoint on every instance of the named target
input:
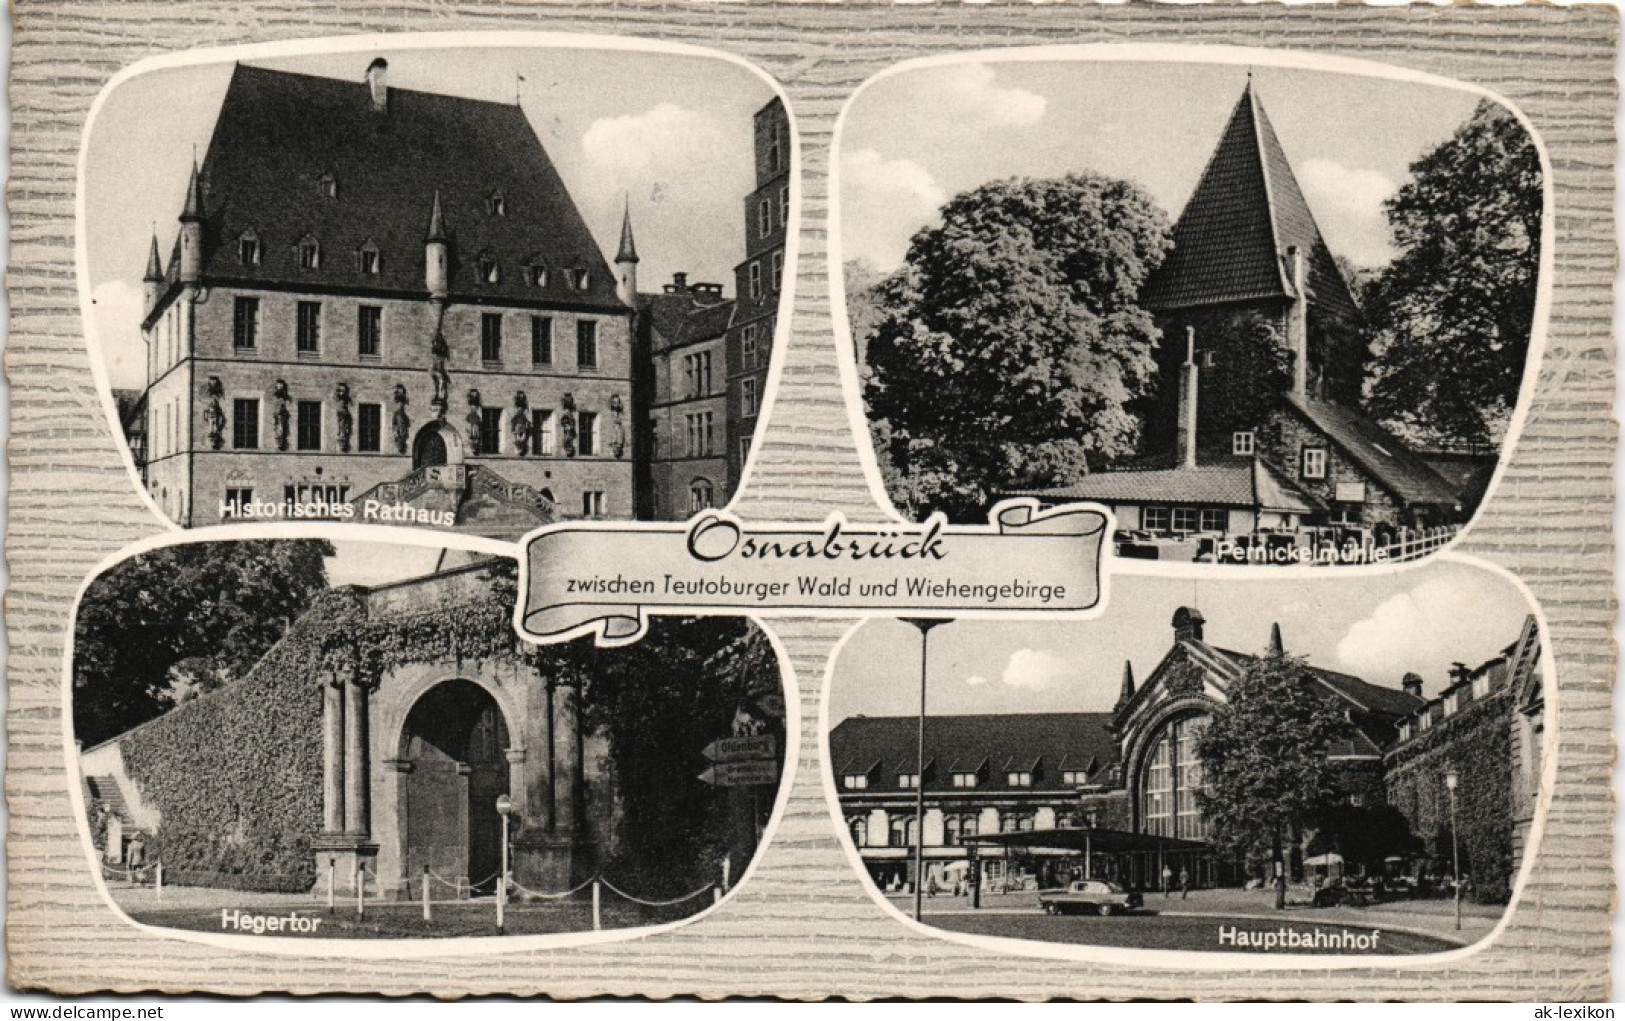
(1277, 649)
(1231, 241)
(437, 221)
(629, 250)
(155, 266)
(194, 196)
(1127, 691)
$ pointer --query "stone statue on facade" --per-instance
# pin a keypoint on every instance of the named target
(213, 415)
(346, 422)
(474, 423)
(567, 424)
(401, 423)
(279, 418)
(520, 424)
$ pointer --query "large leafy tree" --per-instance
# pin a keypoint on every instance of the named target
(167, 624)
(1453, 313)
(1264, 759)
(661, 702)
(1010, 344)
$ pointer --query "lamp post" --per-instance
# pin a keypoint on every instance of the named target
(1450, 781)
(504, 809)
(925, 624)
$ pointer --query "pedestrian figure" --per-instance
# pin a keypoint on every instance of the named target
(1167, 881)
(1184, 883)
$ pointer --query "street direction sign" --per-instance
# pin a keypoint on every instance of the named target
(740, 749)
(742, 774)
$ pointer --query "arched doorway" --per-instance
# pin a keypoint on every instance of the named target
(454, 746)
(437, 444)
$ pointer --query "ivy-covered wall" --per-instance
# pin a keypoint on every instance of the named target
(236, 777)
(1476, 742)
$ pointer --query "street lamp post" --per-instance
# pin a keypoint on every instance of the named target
(925, 624)
(1450, 781)
(504, 809)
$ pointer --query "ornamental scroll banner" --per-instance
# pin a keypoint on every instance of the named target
(579, 579)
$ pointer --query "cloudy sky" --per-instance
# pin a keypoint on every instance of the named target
(913, 140)
(673, 132)
(1376, 628)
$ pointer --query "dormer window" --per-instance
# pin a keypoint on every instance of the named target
(855, 781)
(248, 249)
(490, 272)
(330, 186)
(965, 779)
(1241, 444)
(537, 274)
(496, 205)
(908, 781)
(310, 253)
(583, 279)
(1019, 778)
(367, 259)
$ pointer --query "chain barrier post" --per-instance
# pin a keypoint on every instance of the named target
(716, 895)
(428, 913)
(360, 900)
(158, 881)
(332, 869)
(597, 907)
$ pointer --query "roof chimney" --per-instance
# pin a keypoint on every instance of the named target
(1187, 402)
(1297, 322)
(1188, 621)
(378, 84)
(679, 282)
(1412, 684)
(1277, 647)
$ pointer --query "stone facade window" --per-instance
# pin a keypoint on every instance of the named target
(587, 344)
(747, 397)
(369, 428)
(587, 433)
(309, 436)
(248, 249)
(490, 430)
(764, 218)
(309, 333)
(755, 279)
(245, 323)
(592, 503)
(777, 279)
(369, 331)
(747, 347)
(1170, 779)
(701, 496)
(541, 340)
(491, 337)
(858, 827)
(245, 423)
(543, 431)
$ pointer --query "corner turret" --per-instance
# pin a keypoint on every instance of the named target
(154, 278)
(436, 253)
(191, 268)
(626, 262)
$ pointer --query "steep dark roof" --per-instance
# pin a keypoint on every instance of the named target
(682, 317)
(1225, 482)
(884, 746)
(1378, 452)
(1231, 241)
(279, 134)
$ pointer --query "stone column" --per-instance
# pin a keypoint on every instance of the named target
(332, 758)
(355, 760)
(566, 762)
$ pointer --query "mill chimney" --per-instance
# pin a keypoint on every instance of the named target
(1297, 323)
(1188, 375)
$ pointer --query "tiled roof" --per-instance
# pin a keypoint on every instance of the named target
(884, 746)
(1226, 482)
(1378, 452)
(684, 317)
(279, 134)
(1230, 243)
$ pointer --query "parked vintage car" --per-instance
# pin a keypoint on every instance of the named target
(1097, 896)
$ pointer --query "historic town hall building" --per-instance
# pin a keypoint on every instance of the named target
(1042, 793)
(384, 306)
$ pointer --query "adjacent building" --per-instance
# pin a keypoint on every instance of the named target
(1115, 793)
(1312, 470)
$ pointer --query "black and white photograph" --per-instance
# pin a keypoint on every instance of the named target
(306, 738)
(1350, 767)
(1268, 315)
(481, 289)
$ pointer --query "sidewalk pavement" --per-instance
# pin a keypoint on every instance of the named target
(1429, 917)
